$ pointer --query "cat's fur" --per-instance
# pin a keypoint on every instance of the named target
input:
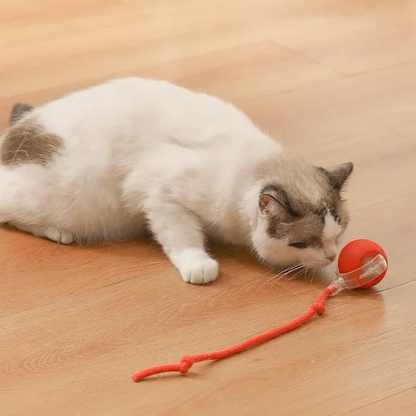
(100, 163)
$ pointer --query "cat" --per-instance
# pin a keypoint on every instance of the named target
(104, 162)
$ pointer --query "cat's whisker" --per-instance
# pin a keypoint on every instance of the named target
(296, 272)
(287, 271)
(284, 272)
(277, 277)
(313, 275)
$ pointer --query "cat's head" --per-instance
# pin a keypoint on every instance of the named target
(301, 213)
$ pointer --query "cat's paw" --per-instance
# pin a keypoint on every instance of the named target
(61, 237)
(199, 272)
(196, 266)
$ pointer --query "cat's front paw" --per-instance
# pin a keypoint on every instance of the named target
(196, 266)
(199, 272)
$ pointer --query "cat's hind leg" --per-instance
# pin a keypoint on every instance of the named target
(50, 232)
(20, 196)
(59, 236)
(7, 195)
(20, 204)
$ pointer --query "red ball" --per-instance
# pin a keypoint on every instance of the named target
(354, 254)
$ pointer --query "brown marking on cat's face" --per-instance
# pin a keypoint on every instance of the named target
(302, 213)
(291, 217)
(29, 143)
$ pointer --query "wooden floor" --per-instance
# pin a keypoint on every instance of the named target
(335, 81)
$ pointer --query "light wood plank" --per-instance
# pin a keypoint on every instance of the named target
(399, 404)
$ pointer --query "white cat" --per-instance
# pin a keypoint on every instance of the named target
(102, 163)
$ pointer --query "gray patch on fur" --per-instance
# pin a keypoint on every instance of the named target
(18, 111)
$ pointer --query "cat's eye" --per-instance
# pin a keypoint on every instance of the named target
(298, 244)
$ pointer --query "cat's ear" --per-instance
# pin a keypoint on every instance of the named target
(18, 111)
(339, 174)
(274, 202)
(269, 205)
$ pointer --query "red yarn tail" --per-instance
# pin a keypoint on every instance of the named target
(318, 308)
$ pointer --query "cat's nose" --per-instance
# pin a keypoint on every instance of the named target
(331, 258)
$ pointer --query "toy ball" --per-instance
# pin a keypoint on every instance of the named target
(361, 264)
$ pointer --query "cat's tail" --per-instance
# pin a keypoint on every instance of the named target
(18, 111)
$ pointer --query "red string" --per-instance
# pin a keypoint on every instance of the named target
(317, 308)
